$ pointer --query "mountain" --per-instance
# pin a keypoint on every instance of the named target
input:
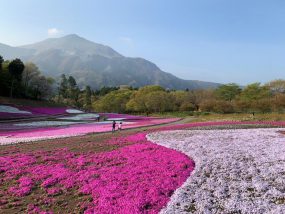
(9, 52)
(95, 64)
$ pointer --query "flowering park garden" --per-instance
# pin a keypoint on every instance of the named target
(88, 129)
(62, 160)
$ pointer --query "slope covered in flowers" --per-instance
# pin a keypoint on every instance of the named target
(29, 135)
(236, 171)
(124, 177)
(16, 111)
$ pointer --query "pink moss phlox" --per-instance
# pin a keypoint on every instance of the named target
(137, 178)
(79, 129)
(126, 180)
(33, 209)
(45, 110)
(53, 191)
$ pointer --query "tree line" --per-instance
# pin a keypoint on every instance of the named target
(228, 98)
(23, 80)
(69, 93)
(18, 79)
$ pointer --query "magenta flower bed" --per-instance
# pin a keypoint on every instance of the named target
(45, 110)
(139, 178)
(6, 115)
(34, 111)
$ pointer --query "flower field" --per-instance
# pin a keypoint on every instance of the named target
(44, 133)
(123, 177)
(236, 170)
(203, 167)
(73, 123)
(14, 112)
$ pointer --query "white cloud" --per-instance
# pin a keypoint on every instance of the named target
(53, 32)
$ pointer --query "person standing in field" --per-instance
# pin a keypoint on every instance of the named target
(114, 126)
(120, 126)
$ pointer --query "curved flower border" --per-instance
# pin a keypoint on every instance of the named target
(236, 171)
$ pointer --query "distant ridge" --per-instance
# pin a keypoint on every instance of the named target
(95, 64)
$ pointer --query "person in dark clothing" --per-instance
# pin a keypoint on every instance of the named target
(114, 126)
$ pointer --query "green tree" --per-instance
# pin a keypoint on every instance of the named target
(254, 91)
(277, 86)
(5, 79)
(16, 68)
(63, 87)
(114, 101)
(250, 97)
(159, 101)
(88, 95)
(228, 92)
(138, 101)
(105, 90)
(30, 73)
(1, 62)
(183, 101)
(41, 87)
(73, 90)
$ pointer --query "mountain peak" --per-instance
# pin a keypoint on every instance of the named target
(74, 45)
(72, 36)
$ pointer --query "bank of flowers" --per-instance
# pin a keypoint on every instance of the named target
(29, 135)
(236, 170)
(139, 177)
(15, 111)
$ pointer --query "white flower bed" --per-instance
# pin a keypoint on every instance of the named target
(6, 140)
(236, 171)
(73, 111)
(10, 109)
(46, 123)
(81, 117)
(116, 119)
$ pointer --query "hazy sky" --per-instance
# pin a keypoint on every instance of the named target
(223, 41)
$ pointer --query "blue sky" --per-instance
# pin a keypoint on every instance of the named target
(240, 41)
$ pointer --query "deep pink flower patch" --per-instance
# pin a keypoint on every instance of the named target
(6, 115)
(139, 183)
(32, 111)
(138, 178)
(45, 110)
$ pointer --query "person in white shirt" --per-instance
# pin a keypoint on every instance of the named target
(120, 126)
